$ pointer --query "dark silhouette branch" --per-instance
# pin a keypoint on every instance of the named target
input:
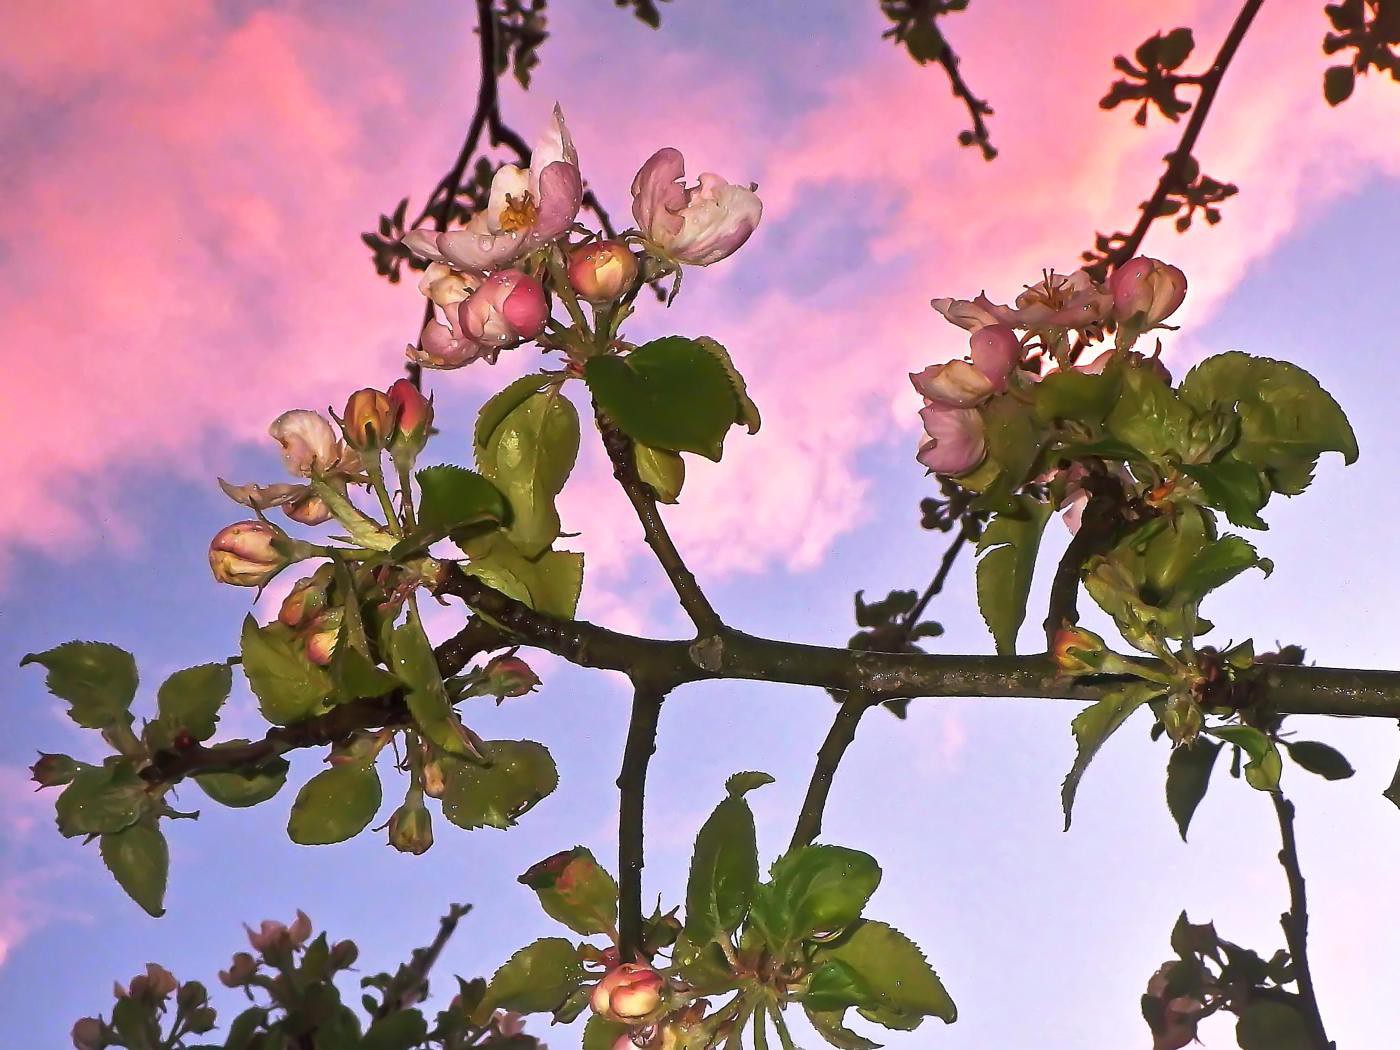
(833, 749)
(410, 985)
(631, 783)
(1295, 923)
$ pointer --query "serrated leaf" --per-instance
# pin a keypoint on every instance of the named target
(289, 687)
(139, 860)
(336, 804)
(661, 471)
(835, 986)
(1319, 758)
(670, 394)
(1007, 550)
(536, 979)
(1265, 765)
(723, 872)
(529, 457)
(748, 411)
(1071, 394)
(401, 1030)
(830, 1027)
(357, 676)
(97, 679)
(574, 889)
(1148, 415)
(1188, 778)
(521, 773)
(1094, 725)
(500, 405)
(741, 784)
(549, 584)
(240, 790)
(816, 890)
(100, 800)
(415, 663)
(452, 498)
(895, 972)
(190, 701)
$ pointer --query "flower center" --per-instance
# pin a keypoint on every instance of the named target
(519, 213)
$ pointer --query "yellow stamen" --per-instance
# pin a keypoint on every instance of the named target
(518, 214)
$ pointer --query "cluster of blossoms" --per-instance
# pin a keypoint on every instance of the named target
(490, 281)
(1051, 321)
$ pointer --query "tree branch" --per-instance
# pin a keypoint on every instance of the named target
(1295, 923)
(410, 985)
(692, 598)
(833, 749)
(631, 782)
(977, 109)
(1177, 160)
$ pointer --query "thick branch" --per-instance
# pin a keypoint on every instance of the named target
(1295, 923)
(692, 598)
(1172, 179)
(631, 782)
(833, 749)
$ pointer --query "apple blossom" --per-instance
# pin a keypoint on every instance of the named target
(1060, 302)
(957, 439)
(628, 993)
(695, 225)
(603, 271)
(957, 384)
(974, 314)
(996, 351)
(89, 1033)
(309, 444)
(442, 346)
(368, 420)
(445, 286)
(1145, 293)
(508, 308)
(245, 554)
(525, 210)
(274, 936)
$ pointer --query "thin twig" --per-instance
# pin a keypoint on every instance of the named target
(692, 598)
(977, 108)
(1295, 922)
(410, 984)
(631, 783)
(833, 749)
(935, 586)
(1179, 157)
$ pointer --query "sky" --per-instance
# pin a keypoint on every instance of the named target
(183, 190)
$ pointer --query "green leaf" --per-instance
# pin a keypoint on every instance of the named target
(1013, 443)
(1188, 778)
(1265, 765)
(101, 800)
(401, 1030)
(241, 790)
(1267, 1025)
(661, 471)
(336, 804)
(452, 496)
(723, 867)
(836, 986)
(289, 687)
(740, 784)
(189, 701)
(414, 662)
(748, 411)
(903, 985)
(816, 890)
(139, 859)
(830, 1027)
(529, 457)
(1148, 415)
(1286, 419)
(602, 1034)
(1217, 563)
(575, 889)
(1075, 395)
(1319, 758)
(549, 584)
(1008, 549)
(521, 773)
(670, 394)
(357, 676)
(536, 979)
(1095, 724)
(97, 679)
(1238, 489)
(499, 406)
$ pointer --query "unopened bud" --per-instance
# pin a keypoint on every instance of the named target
(411, 828)
(53, 770)
(191, 995)
(414, 413)
(201, 1020)
(1077, 651)
(369, 420)
(89, 1034)
(307, 599)
(323, 637)
(1182, 719)
(344, 954)
(433, 782)
(245, 554)
(628, 993)
(506, 676)
(602, 272)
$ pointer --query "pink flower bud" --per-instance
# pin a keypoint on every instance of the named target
(628, 993)
(323, 637)
(414, 413)
(1075, 650)
(695, 225)
(369, 420)
(996, 352)
(240, 971)
(508, 676)
(957, 439)
(244, 554)
(153, 986)
(89, 1034)
(957, 384)
(443, 346)
(509, 308)
(602, 272)
(1146, 292)
(307, 599)
(53, 770)
(309, 444)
